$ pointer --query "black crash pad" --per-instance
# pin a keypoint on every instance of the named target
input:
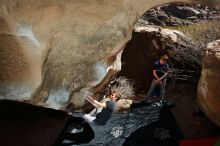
(144, 125)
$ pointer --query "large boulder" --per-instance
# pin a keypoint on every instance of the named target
(147, 45)
(208, 95)
(57, 45)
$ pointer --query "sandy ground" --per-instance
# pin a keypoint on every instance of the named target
(192, 122)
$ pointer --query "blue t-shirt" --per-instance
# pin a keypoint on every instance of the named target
(106, 113)
(161, 69)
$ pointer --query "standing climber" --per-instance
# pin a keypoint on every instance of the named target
(160, 73)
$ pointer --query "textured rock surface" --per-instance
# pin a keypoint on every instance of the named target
(178, 14)
(61, 42)
(208, 95)
(147, 45)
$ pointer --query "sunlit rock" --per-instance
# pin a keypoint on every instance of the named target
(124, 105)
(147, 45)
(58, 43)
(208, 95)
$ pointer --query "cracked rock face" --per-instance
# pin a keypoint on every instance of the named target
(208, 95)
(54, 46)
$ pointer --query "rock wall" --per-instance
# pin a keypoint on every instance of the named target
(60, 43)
(147, 45)
(208, 95)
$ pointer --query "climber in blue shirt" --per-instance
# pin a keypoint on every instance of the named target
(160, 73)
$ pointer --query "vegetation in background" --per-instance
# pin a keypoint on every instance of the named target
(123, 86)
(201, 33)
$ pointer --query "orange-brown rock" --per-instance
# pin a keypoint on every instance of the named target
(208, 94)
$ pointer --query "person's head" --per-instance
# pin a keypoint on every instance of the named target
(164, 59)
(114, 96)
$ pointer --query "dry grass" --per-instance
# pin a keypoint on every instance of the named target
(124, 87)
(201, 33)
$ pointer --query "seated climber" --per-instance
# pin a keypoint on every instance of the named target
(103, 110)
(80, 129)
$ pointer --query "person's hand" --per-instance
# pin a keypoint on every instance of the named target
(169, 72)
(158, 81)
